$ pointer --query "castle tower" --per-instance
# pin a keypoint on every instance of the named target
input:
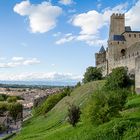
(101, 56)
(101, 61)
(116, 41)
(117, 25)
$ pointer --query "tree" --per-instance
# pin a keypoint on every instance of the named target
(105, 104)
(92, 74)
(78, 84)
(73, 115)
(117, 79)
(15, 110)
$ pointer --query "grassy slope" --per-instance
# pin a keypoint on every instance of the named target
(54, 127)
(40, 127)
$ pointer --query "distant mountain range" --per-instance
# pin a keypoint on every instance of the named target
(46, 83)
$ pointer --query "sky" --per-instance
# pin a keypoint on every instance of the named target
(56, 40)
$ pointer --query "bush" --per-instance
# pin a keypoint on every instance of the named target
(11, 99)
(3, 97)
(123, 126)
(3, 107)
(92, 74)
(66, 91)
(106, 104)
(2, 128)
(78, 85)
(15, 110)
(73, 115)
(117, 79)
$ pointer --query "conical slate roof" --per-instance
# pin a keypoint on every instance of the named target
(102, 50)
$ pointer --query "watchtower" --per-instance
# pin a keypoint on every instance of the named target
(117, 25)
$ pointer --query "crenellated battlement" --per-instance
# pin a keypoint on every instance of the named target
(118, 15)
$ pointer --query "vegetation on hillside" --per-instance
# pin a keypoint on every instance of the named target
(109, 111)
(51, 101)
(92, 74)
(9, 106)
(73, 114)
(104, 105)
(118, 79)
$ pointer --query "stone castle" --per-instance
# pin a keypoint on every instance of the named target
(123, 49)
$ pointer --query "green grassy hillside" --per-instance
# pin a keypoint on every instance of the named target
(55, 127)
(40, 127)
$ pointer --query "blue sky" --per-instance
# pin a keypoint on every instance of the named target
(56, 39)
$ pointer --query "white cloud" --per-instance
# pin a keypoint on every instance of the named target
(31, 61)
(132, 16)
(19, 61)
(52, 76)
(2, 58)
(42, 17)
(95, 20)
(17, 58)
(88, 39)
(57, 34)
(91, 24)
(66, 2)
(66, 38)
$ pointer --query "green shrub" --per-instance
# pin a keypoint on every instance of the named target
(105, 104)
(2, 128)
(117, 79)
(11, 99)
(3, 107)
(73, 115)
(92, 74)
(122, 126)
(3, 97)
(15, 110)
(78, 85)
(66, 91)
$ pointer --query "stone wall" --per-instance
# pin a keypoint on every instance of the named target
(104, 67)
(131, 38)
(137, 75)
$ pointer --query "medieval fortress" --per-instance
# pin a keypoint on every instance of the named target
(123, 49)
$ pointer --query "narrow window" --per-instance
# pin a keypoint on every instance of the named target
(135, 35)
(129, 35)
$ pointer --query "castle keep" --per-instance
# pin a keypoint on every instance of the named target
(123, 49)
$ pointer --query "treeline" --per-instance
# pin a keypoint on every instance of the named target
(5, 97)
(28, 86)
